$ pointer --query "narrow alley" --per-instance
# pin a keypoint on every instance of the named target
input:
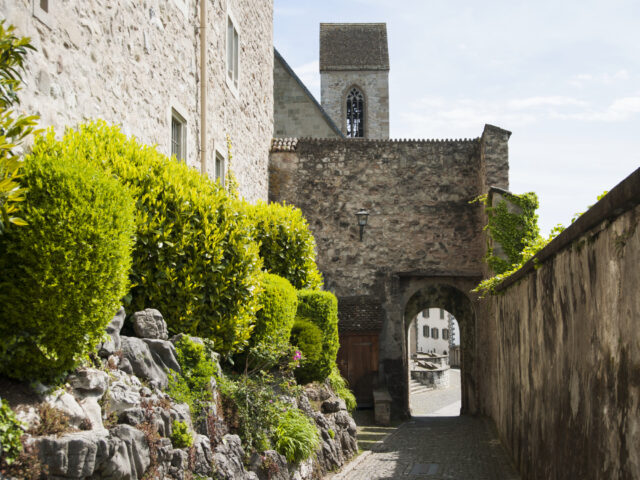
(435, 444)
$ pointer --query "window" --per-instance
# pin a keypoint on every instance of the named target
(434, 333)
(178, 135)
(441, 314)
(355, 113)
(425, 313)
(41, 10)
(220, 168)
(232, 53)
(425, 331)
(445, 334)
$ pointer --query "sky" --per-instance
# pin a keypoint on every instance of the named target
(563, 76)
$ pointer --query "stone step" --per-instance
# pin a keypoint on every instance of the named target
(416, 387)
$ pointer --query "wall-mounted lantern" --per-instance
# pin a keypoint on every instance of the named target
(363, 216)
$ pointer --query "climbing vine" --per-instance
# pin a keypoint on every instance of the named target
(531, 244)
(513, 228)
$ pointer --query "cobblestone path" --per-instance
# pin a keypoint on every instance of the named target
(434, 446)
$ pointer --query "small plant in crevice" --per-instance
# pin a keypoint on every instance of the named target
(341, 388)
(53, 421)
(10, 433)
(26, 466)
(296, 436)
(181, 436)
(193, 385)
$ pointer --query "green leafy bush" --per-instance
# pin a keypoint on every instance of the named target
(287, 246)
(180, 435)
(341, 388)
(307, 336)
(270, 337)
(10, 434)
(13, 128)
(296, 436)
(321, 308)
(251, 410)
(193, 258)
(192, 386)
(63, 275)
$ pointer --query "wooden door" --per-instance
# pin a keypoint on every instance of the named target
(358, 363)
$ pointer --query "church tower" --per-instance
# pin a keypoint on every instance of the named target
(354, 77)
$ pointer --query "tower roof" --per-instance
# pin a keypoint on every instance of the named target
(353, 46)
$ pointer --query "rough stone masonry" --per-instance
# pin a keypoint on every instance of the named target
(421, 230)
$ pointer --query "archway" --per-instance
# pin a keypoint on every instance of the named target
(434, 373)
(455, 301)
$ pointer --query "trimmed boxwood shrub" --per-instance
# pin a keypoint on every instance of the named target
(287, 246)
(193, 258)
(63, 275)
(321, 308)
(308, 338)
(270, 337)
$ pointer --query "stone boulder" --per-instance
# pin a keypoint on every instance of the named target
(123, 393)
(150, 359)
(88, 382)
(227, 458)
(112, 344)
(149, 323)
(119, 454)
(69, 406)
(270, 466)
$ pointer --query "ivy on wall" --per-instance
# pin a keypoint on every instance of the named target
(512, 224)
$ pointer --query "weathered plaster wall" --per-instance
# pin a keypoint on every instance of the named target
(295, 111)
(374, 85)
(422, 232)
(563, 358)
(132, 62)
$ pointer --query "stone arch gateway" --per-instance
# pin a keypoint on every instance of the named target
(448, 294)
(424, 240)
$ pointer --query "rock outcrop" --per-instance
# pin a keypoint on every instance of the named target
(121, 421)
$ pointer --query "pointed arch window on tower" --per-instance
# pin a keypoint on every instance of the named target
(355, 113)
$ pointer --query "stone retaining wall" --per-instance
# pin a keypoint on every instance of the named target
(562, 362)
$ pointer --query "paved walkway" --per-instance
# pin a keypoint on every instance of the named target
(436, 445)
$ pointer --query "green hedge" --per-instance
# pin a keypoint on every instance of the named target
(287, 246)
(62, 276)
(193, 258)
(307, 336)
(322, 309)
(270, 337)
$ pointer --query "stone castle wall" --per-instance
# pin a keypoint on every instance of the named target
(296, 114)
(561, 363)
(418, 195)
(423, 245)
(374, 85)
(130, 63)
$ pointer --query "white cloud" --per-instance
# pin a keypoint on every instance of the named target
(550, 101)
(583, 79)
(620, 110)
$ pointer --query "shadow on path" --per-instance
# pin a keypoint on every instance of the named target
(461, 447)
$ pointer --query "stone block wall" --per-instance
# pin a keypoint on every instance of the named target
(130, 63)
(561, 367)
(417, 193)
(296, 113)
(374, 85)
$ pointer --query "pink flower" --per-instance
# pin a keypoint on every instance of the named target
(297, 356)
